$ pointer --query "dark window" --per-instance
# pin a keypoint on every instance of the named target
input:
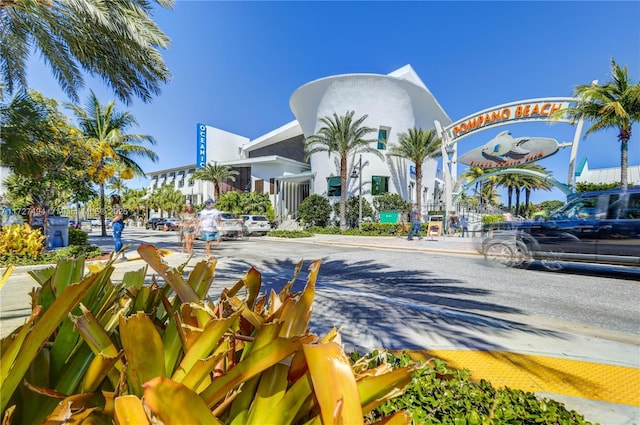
(382, 138)
(272, 186)
(379, 185)
(259, 186)
(333, 186)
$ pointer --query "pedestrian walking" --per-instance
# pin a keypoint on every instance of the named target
(464, 225)
(117, 224)
(404, 223)
(209, 225)
(416, 223)
(188, 227)
(453, 223)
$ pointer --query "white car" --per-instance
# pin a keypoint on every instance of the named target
(255, 224)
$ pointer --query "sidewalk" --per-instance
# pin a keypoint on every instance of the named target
(604, 386)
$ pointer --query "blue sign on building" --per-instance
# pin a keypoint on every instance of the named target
(201, 146)
(412, 170)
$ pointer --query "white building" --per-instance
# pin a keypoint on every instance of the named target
(606, 175)
(275, 163)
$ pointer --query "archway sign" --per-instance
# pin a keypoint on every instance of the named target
(494, 154)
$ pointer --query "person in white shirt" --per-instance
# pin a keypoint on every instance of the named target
(209, 219)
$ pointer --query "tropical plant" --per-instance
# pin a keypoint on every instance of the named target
(105, 130)
(315, 210)
(590, 187)
(390, 202)
(352, 212)
(615, 104)
(98, 351)
(344, 137)
(482, 190)
(417, 145)
(119, 44)
(216, 174)
(20, 240)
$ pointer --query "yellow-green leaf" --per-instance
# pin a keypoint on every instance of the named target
(129, 411)
(334, 384)
(376, 389)
(174, 403)
(143, 349)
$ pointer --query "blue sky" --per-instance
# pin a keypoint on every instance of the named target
(236, 64)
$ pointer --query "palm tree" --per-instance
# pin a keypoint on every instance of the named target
(343, 136)
(104, 128)
(615, 104)
(531, 183)
(216, 174)
(119, 44)
(417, 145)
(23, 123)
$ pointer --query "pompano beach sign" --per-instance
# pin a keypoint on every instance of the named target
(511, 113)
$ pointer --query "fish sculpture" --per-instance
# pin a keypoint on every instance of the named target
(503, 148)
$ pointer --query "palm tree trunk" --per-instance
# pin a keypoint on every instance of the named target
(343, 192)
(102, 211)
(509, 197)
(624, 159)
(527, 197)
(419, 187)
(517, 200)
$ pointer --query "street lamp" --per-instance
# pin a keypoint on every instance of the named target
(358, 175)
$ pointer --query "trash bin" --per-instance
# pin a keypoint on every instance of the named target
(389, 216)
(58, 234)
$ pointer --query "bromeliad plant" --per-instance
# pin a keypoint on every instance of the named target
(95, 351)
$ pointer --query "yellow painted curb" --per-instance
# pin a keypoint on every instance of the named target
(596, 381)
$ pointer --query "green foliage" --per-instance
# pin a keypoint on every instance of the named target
(291, 234)
(51, 257)
(390, 202)
(352, 212)
(439, 395)
(77, 237)
(590, 187)
(492, 219)
(315, 210)
(238, 203)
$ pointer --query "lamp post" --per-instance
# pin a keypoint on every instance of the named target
(358, 175)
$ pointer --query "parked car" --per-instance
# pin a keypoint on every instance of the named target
(95, 222)
(255, 224)
(152, 223)
(170, 223)
(597, 227)
(230, 227)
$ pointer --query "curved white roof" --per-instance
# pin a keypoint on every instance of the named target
(305, 100)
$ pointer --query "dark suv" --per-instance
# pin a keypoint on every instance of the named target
(595, 227)
(152, 223)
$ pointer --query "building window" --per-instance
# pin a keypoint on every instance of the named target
(272, 186)
(383, 135)
(181, 183)
(379, 185)
(333, 186)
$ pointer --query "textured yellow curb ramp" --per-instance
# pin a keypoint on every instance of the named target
(596, 381)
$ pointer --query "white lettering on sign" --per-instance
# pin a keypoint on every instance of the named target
(201, 152)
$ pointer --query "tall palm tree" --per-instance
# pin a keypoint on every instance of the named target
(342, 136)
(119, 44)
(531, 183)
(417, 145)
(106, 130)
(216, 174)
(616, 104)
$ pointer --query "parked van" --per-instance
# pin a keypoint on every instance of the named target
(596, 227)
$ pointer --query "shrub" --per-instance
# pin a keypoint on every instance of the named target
(21, 241)
(390, 202)
(77, 237)
(315, 210)
(438, 395)
(97, 351)
(352, 211)
(290, 234)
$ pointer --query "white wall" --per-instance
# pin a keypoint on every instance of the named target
(222, 145)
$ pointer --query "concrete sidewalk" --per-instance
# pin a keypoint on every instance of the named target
(603, 385)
